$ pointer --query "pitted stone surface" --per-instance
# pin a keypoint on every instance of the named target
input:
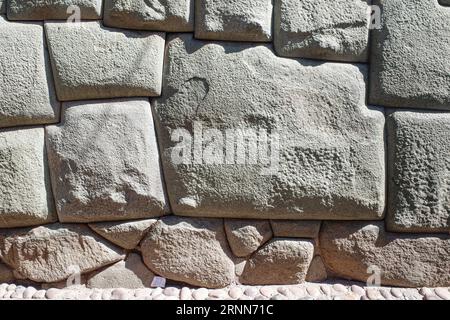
(161, 15)
(25, 192)
(246, 236)
(104, 162)
(126, 234)
(409, 57)
(295, 228)
(53, 9)
(54, 252)
(26, 85)
(194, 251)
(331, 157)
(419, 172)
(92, 62)
(356, 250)
(329, 30)
(281, 261)
(234, 20)
(130, 273)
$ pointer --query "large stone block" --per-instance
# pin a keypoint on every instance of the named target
(246, 236)
(55, 252)
(409, 57)
(234, 20)
(329, 30)
(25, 191)
(91, 62)
(194, 251)
(419, 172)
(54, 9)
(161, 15)
(26, 85)
(324, 156)
(365, 251)
(104, 162)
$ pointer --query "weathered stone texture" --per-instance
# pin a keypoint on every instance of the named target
(281, 261)
(246, 236)
(409, 57)
(25, 190)
(26, 85)
(356, 250)
(234, 20)
(295, 228)
(54, 252)
(130, 273)
(331, 146)
(2, 6)
(92, 62)
(329, 30)
(194, 251)
(6, 273)
(104, 162)
(126, 234)
(53, 9)
(419, 171)
(317, 271)
(161, 15)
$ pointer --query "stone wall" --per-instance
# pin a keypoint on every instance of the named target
(214, 142)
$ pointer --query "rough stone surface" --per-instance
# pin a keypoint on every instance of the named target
(331, 148)
(131, 274)
(104, 162)
(234, 20)
(161, 15)
(124, 234)
(26, 85)
(92, 62)
(25, 191)
(329, 30)
(194, 251)
(2, 6)
(295, 228)
(317, 271)
(281, 261)
(419, 172)
(246, 236)
(54, 252)
(409, 57)
(6, 273)
(356, 250)
(53, 9)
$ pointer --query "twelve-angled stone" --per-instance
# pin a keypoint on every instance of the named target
(104, 162)
(419, 172)
(162, 15)
(92, 62)
(25, 192)
(409, 58)
(328, 159)
(27, 94)
(54, 9)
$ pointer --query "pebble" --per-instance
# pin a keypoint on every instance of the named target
(278, 297)
(185, 294)
(298, 291)
(200, 294)
(244, 297)
(106, 294)
(442, 293)
(251, 292)
(218, 294)
(268, 292)
(171, 292)
(2, 292)
(313, 291)
(53, 293)
(40, 294)
(120, 294)
(11, 287)
(160, 297)
(4, 286)
(29, 292)
(284, 291)
(261, 297)
(386, 294)
(358, 290)
(18, 293)
(339, 287)
(431, 297)
(157, 292)
(373, 294)
(396, 292)
(141, 293)
(325, 289)
(235, 293)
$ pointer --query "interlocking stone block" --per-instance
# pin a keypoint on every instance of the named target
(25, 191)
(419, 171)
(161, 15)
(26, 85)
(104, 162)
(330, 30)
(92, 62)
(234, 20)
(54, 9)
(365, 251)
(328, 159)
(409, 56)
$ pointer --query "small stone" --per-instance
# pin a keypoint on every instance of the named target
(40, 294)
(358, 290)
(298, 291)
(326, 289)
(426, 291)
(396, 292)
(339, 287)
(385, 294)
(284, 291)
(18, 293)
(53, 293)
(200, 294)
(106, 294)
(96, 295)
(159, 297)
(120, 294)
(11, 287)
(313, 291)
(261, 297)
(245, 298)
(278, 297)
(267, 291)
(157, 291)
(431, 297)
(171, 291)
(143, 292)
(185, 294)
(218, 293)
(443, 293)
(251, 292)
(235, 293)
(373, 294)
(2, 292)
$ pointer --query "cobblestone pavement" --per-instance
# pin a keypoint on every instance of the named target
(307, 291)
